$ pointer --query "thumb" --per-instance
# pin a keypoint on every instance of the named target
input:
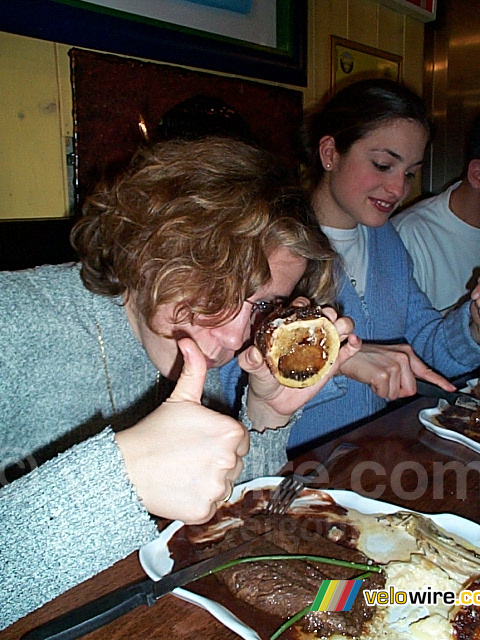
(189, 385)
(251, 360)
(352, 346)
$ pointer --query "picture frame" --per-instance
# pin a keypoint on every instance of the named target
(80, 24)
(423, 10)
(351, 61)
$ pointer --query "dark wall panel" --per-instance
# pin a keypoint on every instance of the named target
(112, 95)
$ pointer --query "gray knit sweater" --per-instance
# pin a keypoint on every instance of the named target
(75, 513)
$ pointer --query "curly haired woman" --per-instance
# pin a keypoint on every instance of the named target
(109, 368)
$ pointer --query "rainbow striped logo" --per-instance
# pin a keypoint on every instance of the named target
(336, 595)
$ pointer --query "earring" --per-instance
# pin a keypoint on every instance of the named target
(328, 166)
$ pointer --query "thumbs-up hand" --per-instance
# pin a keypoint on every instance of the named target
(183, 456)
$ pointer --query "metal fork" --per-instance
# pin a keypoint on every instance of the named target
(292, 485)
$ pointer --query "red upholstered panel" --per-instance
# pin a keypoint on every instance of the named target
(112, 94)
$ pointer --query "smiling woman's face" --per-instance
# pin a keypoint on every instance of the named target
(366, 184)
(218, 344)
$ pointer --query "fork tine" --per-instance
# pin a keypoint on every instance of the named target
(284, 495)
(277, 496)
(291, 486)
(287, 498)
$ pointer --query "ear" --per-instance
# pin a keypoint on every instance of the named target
(473, 174)
(327, 152)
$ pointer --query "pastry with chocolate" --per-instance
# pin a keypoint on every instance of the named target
(299, 345)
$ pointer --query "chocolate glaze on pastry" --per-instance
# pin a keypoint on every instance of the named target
(299, 345)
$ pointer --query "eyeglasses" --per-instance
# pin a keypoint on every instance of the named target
(263, 308)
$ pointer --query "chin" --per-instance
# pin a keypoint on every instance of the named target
(214, 364)
(219, 362)
(378, 220)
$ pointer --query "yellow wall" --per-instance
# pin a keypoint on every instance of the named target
(35, 116)
(36, 106)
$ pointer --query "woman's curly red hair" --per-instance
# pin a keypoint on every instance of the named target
(193, 223)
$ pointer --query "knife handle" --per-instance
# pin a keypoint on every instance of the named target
(95, 614)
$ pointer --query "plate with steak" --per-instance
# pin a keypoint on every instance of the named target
(402, 550)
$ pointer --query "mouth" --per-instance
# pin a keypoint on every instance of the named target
(383, 206)
(211, 363)
(219, 359)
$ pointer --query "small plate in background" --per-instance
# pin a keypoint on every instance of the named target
(427, 418)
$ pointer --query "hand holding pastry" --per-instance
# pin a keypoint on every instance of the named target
(299, 344)
(313, 357)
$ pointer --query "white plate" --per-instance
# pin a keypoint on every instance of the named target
(156, 561)
(426, 418)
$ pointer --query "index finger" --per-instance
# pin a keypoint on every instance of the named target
(436, 378)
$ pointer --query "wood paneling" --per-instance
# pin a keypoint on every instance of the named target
(391, 31)
(413, 54)
(363, 22)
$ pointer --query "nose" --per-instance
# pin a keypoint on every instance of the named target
(397, 185)
(233, 334)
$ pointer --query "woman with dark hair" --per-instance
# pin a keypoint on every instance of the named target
(352, 114)
(109, 369)
(362, 150)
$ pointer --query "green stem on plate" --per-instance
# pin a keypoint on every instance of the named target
(293, 556)
(362, 576)
(367, 569)
(289, 622)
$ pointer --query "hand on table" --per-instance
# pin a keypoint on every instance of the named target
(183, 456)
(390, 370)
(270, 404)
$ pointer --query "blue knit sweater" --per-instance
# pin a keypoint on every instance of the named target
(392, 310)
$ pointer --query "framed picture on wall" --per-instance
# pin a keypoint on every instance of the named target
(264, 39)
(424, 10)
(351, 61)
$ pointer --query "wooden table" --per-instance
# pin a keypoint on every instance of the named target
(397, 461)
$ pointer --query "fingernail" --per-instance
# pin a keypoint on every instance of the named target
(255, 356)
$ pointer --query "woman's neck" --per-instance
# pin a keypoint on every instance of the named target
(327, 211)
